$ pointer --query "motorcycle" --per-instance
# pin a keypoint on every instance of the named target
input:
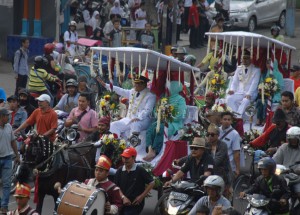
(291, 178)
(258, 204)
(180, 197)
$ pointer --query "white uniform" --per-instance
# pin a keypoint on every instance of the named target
(140, 107)
(243, 84)
(72, 37)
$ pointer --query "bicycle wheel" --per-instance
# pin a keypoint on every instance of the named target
(242, 183)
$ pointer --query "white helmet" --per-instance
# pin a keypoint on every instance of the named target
(215, 181)
(73, 23)
(293, 133)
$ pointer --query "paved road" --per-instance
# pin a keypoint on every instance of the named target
(8, 83)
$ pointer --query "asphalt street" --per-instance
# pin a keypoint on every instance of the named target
(7, 82)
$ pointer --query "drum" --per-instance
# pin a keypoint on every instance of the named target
(80, 199)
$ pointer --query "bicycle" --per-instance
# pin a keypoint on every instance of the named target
(244, 181)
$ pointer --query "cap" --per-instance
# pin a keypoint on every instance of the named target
(4, 111)
(13, 97)
(144, 77)
(44, 97)
(129, 152)
(22, 190)
(198, 142)
(180, 50)
(104, 120)
(104, 162)
(23, 91)
(295, 68)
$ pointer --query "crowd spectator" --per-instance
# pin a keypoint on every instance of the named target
(71, 38)
(295, 76)
(117, 9)
(2, 97)
(193, 23)
(87, 15)
(140, 16)
(146, 37)
(290, 109)
(94, 21)
(115, 35)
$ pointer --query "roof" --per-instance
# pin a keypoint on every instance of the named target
(138, 56)
(236, 37)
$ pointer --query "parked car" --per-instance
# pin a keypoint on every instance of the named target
(251, 13)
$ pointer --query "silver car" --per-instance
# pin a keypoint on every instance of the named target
(251, 13)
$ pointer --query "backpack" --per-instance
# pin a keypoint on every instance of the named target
(62, 39)
(13, 58)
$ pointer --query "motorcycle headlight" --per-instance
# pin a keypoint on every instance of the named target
(71, 134)
(280, 169)
(257, 202)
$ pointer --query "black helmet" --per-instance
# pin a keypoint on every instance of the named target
(71, 82)
(267, 163)
(40, 62)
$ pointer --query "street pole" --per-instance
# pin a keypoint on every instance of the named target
(174, 24)
(290, 18)
(164, 27)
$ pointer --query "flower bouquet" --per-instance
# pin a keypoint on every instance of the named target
(268, 87)
(251, 135)
(218, 85)
(112, 147)
(192, 130)
(166, 112)
(108, 105)
(220, 108)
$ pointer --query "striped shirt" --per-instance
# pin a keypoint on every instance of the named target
(35, 82)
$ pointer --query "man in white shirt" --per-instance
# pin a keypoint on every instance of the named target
(71, 38)
(141, 104)
(243, 88)
(233, 141)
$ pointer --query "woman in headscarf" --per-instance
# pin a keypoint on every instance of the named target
(116, 9)
(154, 140)
(94, 21)
(262, 108)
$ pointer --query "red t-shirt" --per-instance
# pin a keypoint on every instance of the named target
(193, 12)
(296, 83)
(44, 121)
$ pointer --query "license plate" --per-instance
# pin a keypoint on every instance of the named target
(179, 196)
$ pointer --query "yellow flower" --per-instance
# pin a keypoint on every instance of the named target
(107, 97)
(171, 108)
(268, 80)
(113, 106)
(102, 103)
(213, 81)
(216, 75)
(222, 81)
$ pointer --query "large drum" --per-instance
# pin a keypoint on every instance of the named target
(78, 199)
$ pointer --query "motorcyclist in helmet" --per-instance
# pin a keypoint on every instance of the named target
(265, 185)
(275, 32)
(70, 99)
(190, 59)
(38, 75)
(289, 153)
(214, 186)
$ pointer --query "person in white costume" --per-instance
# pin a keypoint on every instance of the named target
(244, 85)
(141, 104)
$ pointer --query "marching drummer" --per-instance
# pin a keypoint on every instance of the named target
(22, 195)
(114, 203)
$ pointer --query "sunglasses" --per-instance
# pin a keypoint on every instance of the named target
(210, 134)
(194, 148)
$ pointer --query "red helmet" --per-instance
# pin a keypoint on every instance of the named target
(48, 48)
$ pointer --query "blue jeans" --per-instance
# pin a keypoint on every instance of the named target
(6, 171)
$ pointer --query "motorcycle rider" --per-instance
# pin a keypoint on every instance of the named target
(70, 99)
(275, 32)
(288, 153)
(24, 100)
(199, 163)
(214, 186)
(266, 183)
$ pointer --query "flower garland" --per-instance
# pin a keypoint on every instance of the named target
(251, 135)
(132, 112)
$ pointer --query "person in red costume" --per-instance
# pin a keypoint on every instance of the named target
(114, 201)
